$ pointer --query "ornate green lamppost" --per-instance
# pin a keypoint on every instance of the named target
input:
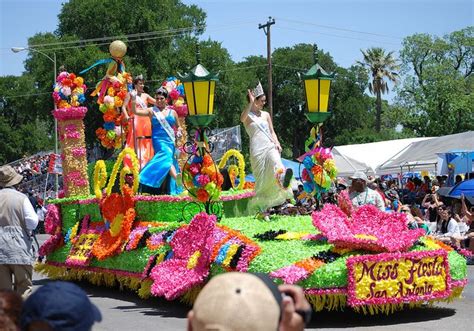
(201, 176)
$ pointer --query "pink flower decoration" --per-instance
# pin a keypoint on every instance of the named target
(368, 229)
(52, 220)
(290, 274)
(174, 277)
(203, 180)
(194, 168)
(174, 95)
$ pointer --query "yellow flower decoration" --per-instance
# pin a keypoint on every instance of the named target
(365, 236)
(241, 165)
(118, 163)
(116, 225)
(192, 262)
(100, 178)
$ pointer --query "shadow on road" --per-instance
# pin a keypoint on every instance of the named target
(351, 319)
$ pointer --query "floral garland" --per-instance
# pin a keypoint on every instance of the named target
(202, 178)
(111, 134)
(319, 170)
(241, 165)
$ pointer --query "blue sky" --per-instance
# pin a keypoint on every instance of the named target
(342, 27)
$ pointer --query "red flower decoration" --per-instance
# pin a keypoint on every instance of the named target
(368, 229)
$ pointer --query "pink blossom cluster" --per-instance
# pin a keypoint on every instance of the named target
(368, 229)
(174, 277)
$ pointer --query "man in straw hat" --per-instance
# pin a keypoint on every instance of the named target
(17, 220)
(245, 301)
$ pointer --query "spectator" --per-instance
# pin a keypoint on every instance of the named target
(59, 306)
(244, 301)
(17, 220)
(458, 179)
(361, 195)
(448, 229)
(431, 203)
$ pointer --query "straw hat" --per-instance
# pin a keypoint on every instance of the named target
(9, 177)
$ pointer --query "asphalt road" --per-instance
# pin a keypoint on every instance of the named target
(124, 310)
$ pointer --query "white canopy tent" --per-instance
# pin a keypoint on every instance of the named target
(422, 155)
(374, 154)
(346, 166)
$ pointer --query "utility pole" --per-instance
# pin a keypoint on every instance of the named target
(266, 29)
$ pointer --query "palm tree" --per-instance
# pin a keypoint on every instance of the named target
(381, 65)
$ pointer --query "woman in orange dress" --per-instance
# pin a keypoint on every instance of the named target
(139, 126)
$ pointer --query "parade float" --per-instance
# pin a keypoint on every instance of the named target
(169, 246)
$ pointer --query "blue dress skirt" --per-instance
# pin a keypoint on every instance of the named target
(154, 177)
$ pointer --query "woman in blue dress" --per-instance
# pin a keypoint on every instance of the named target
(160, 174)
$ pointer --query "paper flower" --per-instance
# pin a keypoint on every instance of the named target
(368, 229)
(189, 266)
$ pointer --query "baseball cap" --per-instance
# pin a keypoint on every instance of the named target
(63, 305)
(238, 301)
(359, 175)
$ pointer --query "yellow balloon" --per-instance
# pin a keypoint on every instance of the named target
(118, 49)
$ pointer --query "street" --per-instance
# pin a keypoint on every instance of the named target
(124, 310)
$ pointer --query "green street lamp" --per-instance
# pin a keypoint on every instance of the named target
(317, 83)
(199, 87)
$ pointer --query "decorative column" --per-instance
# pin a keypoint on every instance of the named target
(74, 153)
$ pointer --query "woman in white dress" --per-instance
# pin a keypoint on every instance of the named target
(271, 179)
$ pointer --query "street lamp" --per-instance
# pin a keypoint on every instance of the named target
(199, 87)
(316, 87)
(52, 59)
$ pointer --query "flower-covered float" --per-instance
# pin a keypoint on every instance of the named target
(363, 258)
(168, 246)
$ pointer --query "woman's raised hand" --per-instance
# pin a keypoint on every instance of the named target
(251, 96)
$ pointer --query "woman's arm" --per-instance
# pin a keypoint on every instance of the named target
(245, 114)
(275, 138)
(124, 107)
(139, 112)
(150, 100)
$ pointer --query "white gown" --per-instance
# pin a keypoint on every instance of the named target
(266, 166)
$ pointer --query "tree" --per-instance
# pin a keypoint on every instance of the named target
(381, 65)
(437, 93)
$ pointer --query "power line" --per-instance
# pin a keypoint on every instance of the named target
(339, 29)
(139, 36)
(148, 80)
(338, 36)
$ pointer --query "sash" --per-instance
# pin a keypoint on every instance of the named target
(141, 103)
(254, 118)
(164, 123)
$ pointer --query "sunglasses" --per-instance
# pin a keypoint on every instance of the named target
(404, 211)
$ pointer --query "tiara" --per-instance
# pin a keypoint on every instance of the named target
(258, 90)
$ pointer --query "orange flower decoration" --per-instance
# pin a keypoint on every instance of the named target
(118, 212)
(202, 195)
(207, 160)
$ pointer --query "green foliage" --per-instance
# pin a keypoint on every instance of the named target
(436, 97)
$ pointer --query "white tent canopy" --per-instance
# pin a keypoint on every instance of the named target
(374, 154)
(346, 166)
(422, 155)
